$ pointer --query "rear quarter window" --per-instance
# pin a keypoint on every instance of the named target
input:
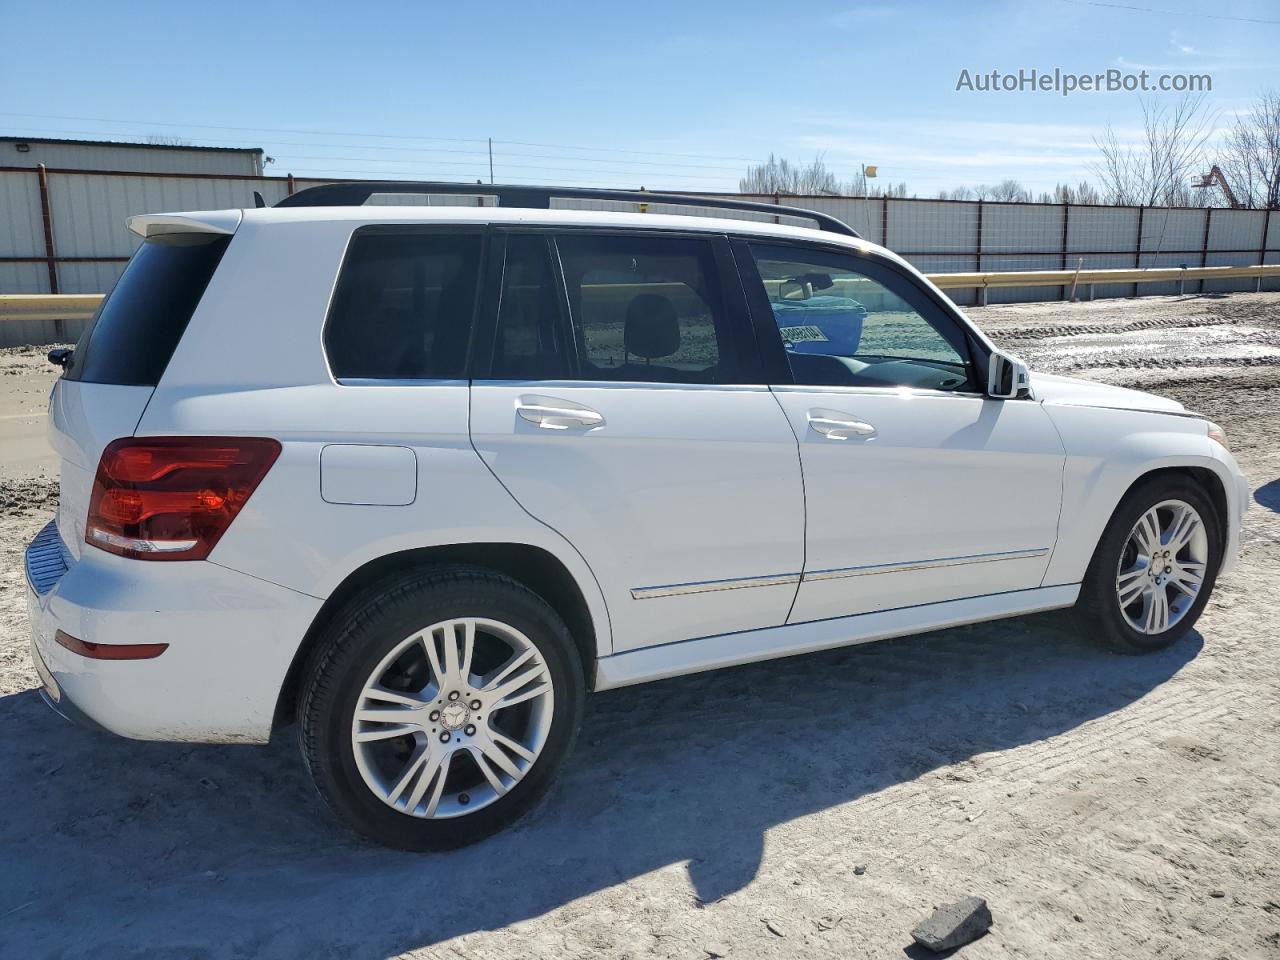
(403, 304)
(133, 335)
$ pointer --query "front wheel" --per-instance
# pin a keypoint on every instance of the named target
(439, 707)
(1155, 566)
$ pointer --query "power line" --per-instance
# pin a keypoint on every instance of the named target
(647, 153)
(504, 163)
(213, 126)
(421, 158)
(1171, 13)
(200, 141)
(382, 136)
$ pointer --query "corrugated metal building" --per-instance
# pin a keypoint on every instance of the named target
(134, 157)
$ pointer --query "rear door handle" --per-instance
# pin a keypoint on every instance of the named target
(839, 426)
(553, 414)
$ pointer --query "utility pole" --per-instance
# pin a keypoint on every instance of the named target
(491, 160)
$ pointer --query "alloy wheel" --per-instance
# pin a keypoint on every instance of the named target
(1162, 567)
(452, 718)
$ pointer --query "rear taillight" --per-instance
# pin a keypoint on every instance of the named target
(172, 498)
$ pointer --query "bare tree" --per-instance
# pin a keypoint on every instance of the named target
(891, 190)
(1083, 192)
(779, 175)
(1010, 191)
(1157, 170)
(1007, 190)
(1250, 156)
(167, 140)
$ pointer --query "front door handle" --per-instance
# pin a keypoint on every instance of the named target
(553, 414)
(839, 426)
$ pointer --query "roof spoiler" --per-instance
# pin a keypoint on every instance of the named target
(356, 193)
(211, 221)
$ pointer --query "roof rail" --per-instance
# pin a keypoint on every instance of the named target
(356, 193)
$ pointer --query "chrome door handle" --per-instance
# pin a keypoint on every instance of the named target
(552, 417)
(839, 426)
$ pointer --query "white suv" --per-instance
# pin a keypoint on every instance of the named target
(420, 476)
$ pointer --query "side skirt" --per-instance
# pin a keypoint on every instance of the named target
(749, 646)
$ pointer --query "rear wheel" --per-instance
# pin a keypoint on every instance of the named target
(1155, 567)
(439, 708)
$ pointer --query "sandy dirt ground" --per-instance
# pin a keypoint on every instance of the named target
(1105, 806)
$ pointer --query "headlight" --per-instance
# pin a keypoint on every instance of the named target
(1218, 435)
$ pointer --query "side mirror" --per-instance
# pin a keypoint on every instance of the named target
(1007, 377)
(60, 357)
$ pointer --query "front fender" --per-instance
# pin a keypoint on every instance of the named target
(1110, 450)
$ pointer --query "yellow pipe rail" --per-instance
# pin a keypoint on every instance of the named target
(80, 306)
(40, 306)
(1061, 278)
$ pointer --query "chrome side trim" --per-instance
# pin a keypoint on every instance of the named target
(710, 586)
(912, 565)
(785, 579)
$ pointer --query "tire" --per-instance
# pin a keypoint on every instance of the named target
(363, 766)
(1118, 571)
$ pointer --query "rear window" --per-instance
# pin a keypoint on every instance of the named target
(403, 305)
(132, 336)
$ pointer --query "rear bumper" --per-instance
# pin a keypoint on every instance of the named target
(231, 639)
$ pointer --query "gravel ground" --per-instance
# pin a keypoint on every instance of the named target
(818, 806)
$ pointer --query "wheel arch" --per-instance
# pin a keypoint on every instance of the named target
(534, 567)
(1073, 553)
(1204, 477)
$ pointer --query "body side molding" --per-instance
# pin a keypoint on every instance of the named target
(786, 579)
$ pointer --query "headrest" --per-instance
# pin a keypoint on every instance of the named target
(652, 329)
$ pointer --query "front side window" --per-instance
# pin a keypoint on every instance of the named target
(845, 321)
(647, 308)
(403, 305)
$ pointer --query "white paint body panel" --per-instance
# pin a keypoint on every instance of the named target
(83, 419)
(944, 476)
(1109, 451)
(677, 486)
(366, 474)
(231, 639)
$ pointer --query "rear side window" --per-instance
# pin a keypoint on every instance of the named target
(648, 309)
(531, 342)
(133, 335)
(403, 305)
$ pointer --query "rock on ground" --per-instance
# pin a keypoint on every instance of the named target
(954, 924)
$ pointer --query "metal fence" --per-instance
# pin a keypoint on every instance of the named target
(63, 231)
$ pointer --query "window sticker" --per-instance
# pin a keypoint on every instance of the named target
(801, 333)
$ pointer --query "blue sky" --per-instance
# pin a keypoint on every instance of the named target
(674, 95)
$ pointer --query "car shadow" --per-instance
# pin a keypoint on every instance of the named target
(225, 851)
(1269, 495)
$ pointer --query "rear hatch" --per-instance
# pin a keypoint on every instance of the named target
(123, 352)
